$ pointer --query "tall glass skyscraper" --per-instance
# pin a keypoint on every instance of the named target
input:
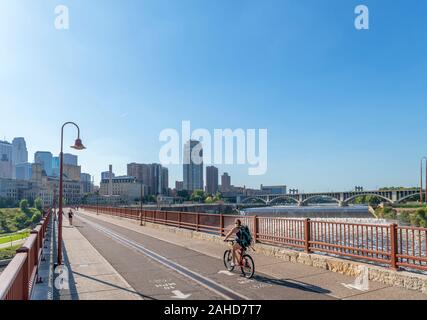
(193, 165)
(45, 159)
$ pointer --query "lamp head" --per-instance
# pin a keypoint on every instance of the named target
(78, 145)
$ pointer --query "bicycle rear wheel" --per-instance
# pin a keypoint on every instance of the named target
(228, 258)
(248, 266)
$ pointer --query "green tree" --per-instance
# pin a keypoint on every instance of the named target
(198, 196)
(209, 199)
(37, 216)
(38, 204)
(418, 218)
(150, 199)
(405, 217)
(23, 205)
(183, 194)
(218, 196)
(3, 224)
(21, 220)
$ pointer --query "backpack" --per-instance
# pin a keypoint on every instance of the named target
(245, 236)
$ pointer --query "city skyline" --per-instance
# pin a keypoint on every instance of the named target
(339, 103)
(72, 159)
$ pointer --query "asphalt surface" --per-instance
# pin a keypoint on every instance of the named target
(160, 270)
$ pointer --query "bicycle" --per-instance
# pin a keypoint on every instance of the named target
(246, 264)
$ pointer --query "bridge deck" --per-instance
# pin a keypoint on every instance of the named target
(152, 261)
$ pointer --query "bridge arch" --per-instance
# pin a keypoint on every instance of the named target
(284, 198)
(346, 201)
(417, 195)
(247, 200)
(307, 200)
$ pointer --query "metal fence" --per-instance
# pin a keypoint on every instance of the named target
(389, 245)
(17, 280)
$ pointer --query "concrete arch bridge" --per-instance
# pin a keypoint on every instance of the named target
(342, 198)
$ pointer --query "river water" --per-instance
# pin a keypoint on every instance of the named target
(318, 211)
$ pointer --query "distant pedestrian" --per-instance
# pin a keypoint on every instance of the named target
(70, 217)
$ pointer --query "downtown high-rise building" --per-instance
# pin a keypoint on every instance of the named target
(193, 166)
(140, 171)
(70, 159)
(179, 185)
(155, 179)
(45, 159)
(106, 175)
(86, 182)
(225, 182)
(211, 180)
(6, 166)
(23, 171)
(55, 166)
(19, 151)
(21, 167)
(154, 176)
(165, 181)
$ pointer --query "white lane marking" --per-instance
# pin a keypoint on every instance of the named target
(179, 295)
(228, 273)
(155, 256)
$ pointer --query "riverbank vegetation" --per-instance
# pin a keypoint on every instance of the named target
(15, 219)
(9, 252)
(416, 217)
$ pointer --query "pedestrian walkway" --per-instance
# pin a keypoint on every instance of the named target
(12, 244)
(338, 285)
(91, 277)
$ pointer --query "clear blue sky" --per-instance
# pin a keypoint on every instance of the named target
(343, 107)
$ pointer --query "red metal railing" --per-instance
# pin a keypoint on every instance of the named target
(378, 243)
(16, 281)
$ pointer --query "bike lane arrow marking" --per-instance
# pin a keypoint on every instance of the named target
(179, 295)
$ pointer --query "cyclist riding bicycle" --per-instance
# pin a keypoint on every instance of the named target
(238, 240)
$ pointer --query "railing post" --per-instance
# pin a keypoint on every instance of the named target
(26, 273)
(307, 233)
(394, 246)
(179, 219)
(255, 226)
(166, 218)
(221, 225)
(197, 221)
(140, 218)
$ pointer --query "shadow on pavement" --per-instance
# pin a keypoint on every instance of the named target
(295, 284)
(115, 286)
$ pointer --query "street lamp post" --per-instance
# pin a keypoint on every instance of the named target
(78, 145)
(142, 195)
(421, 179)
(97, 202)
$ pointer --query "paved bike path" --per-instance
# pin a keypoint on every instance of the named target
(154, 280)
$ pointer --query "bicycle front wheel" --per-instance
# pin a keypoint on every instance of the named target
(248, 266)
(228, 258)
